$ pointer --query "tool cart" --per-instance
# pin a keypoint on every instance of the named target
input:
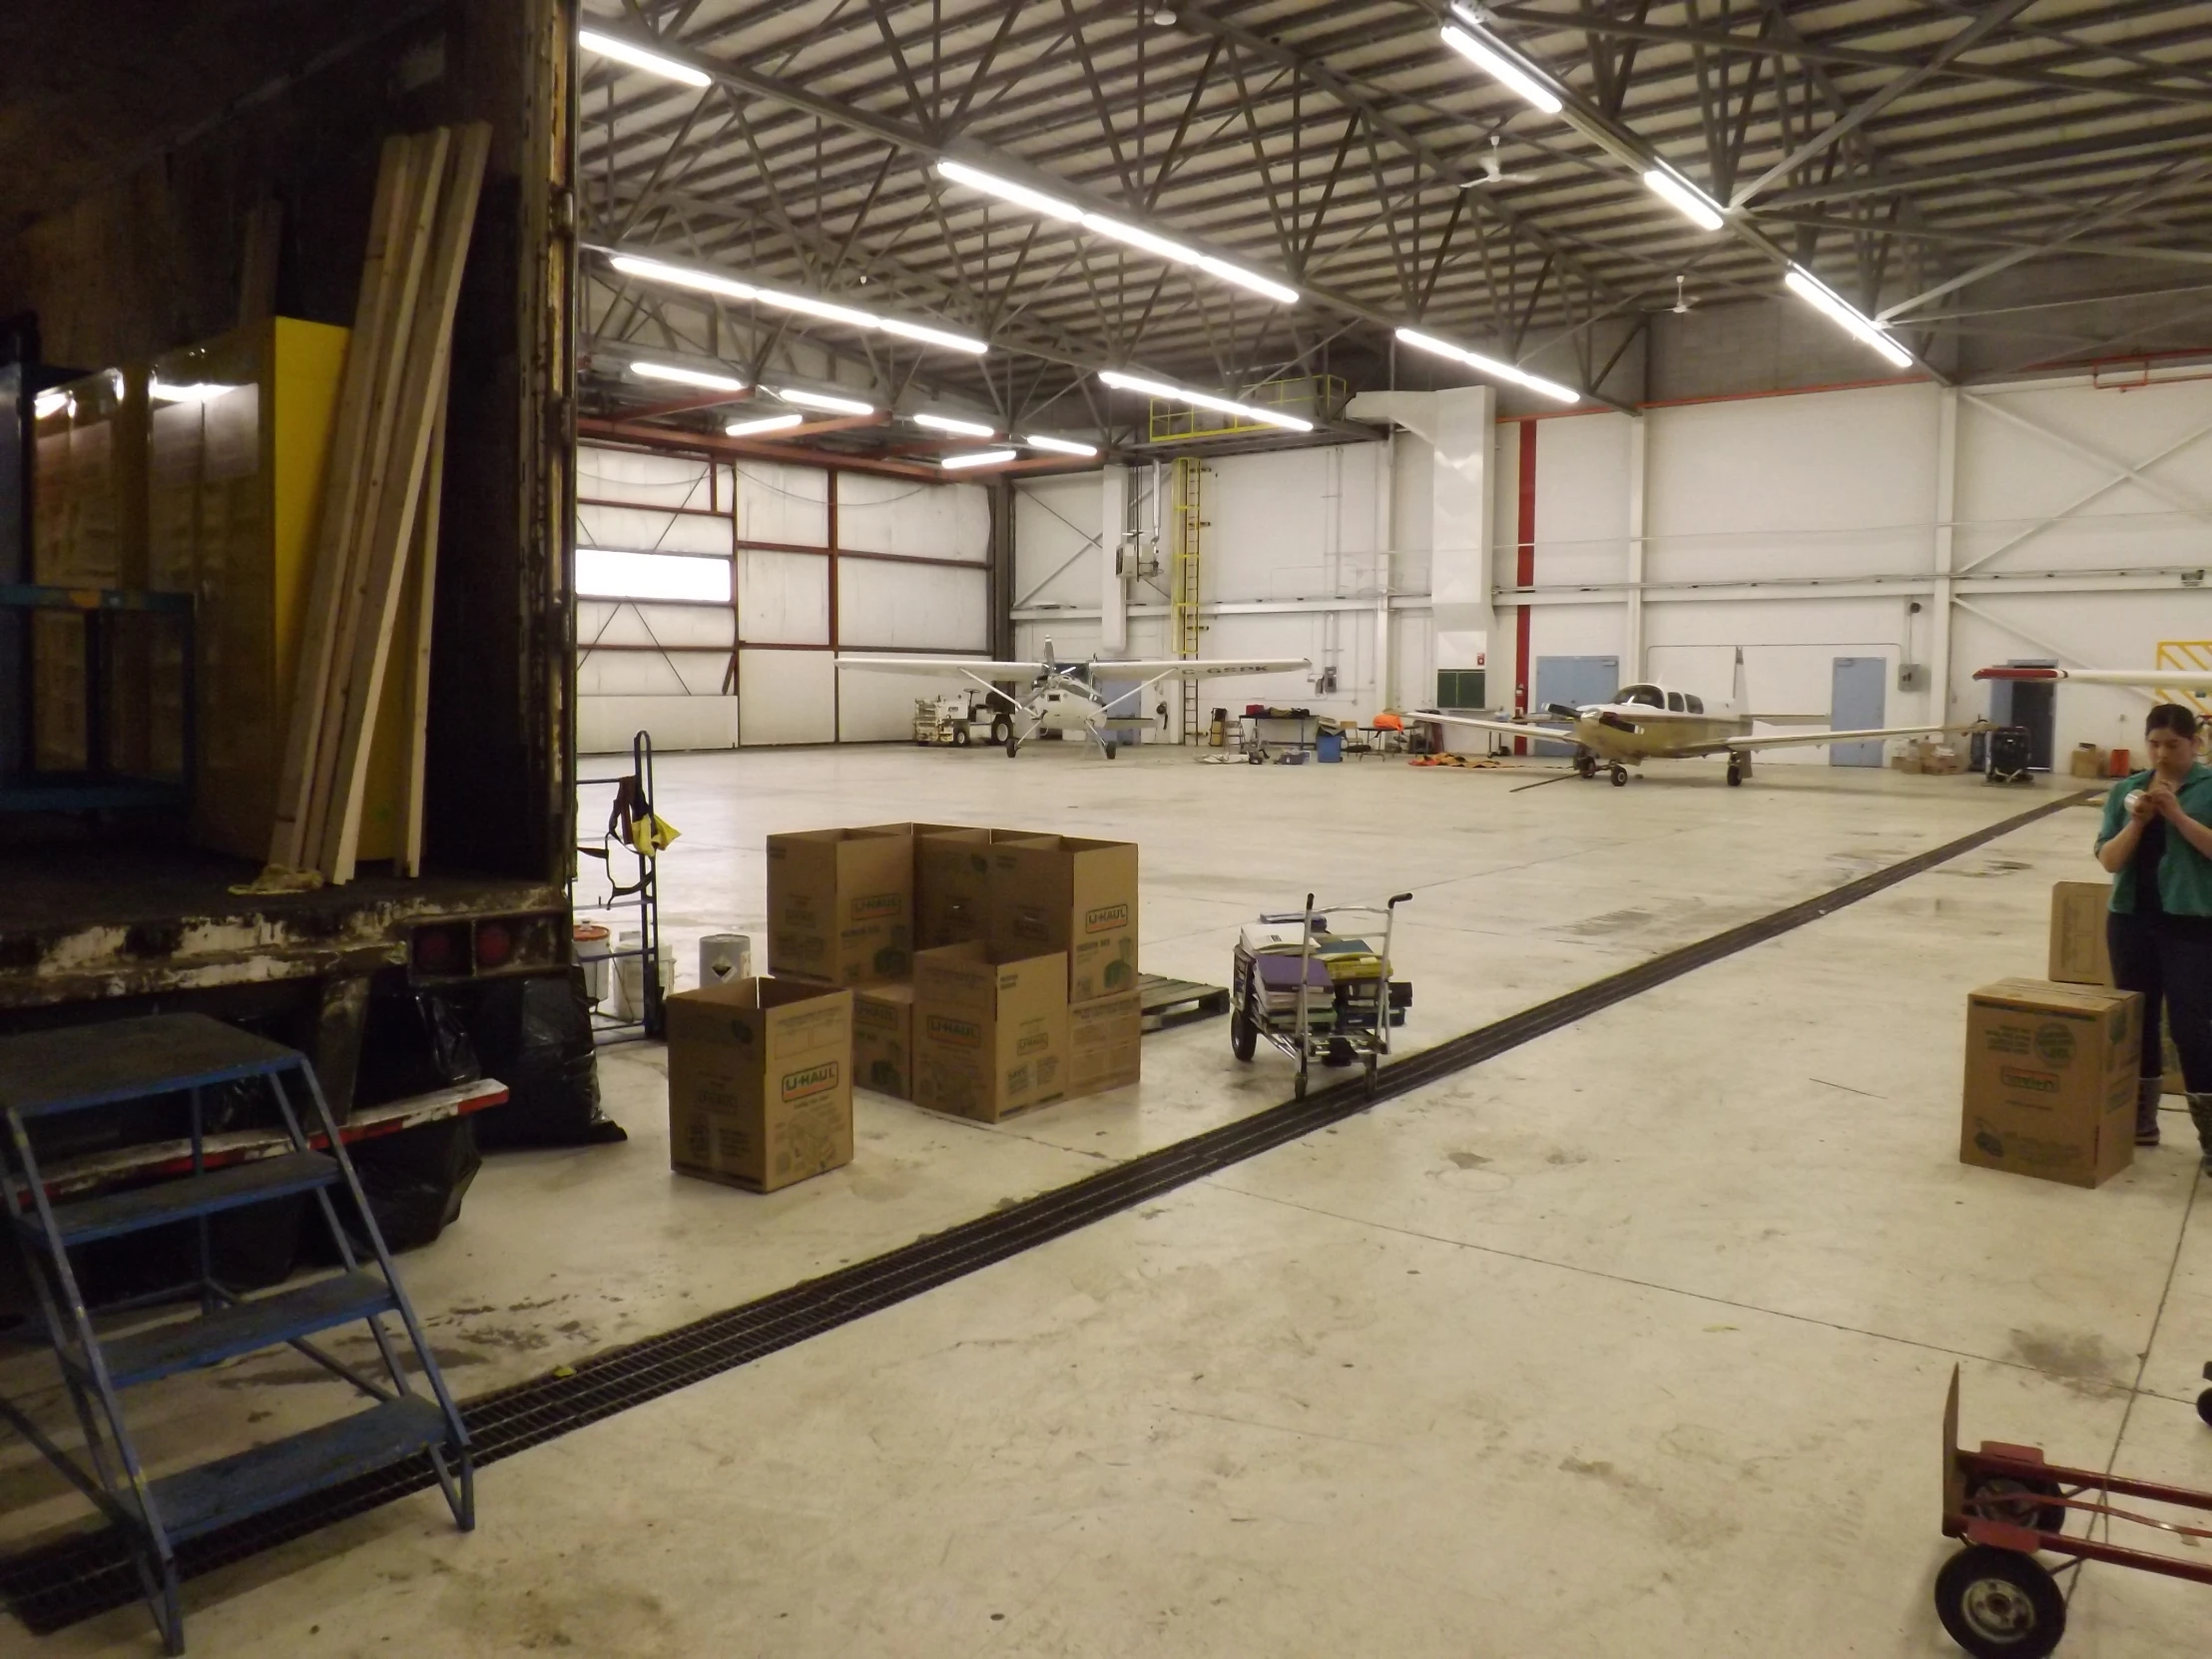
(1314, 991)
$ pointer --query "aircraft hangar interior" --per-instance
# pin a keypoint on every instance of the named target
(1232, 829)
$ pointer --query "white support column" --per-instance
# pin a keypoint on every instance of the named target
(1385, 544)
(1632, 642)
(1113, 546)
(1460, 509)
(1940, 601)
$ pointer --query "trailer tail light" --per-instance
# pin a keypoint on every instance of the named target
(495, 945)
(443, 950)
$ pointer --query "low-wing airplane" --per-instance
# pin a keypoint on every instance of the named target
(2194, 682)
(1651, 722)
(1065, 697)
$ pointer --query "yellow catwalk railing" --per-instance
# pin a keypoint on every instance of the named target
(1186, 524)
(2194, 655)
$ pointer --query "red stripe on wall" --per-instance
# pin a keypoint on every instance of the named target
(1524, 572)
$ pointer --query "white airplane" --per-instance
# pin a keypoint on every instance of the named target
(1064, 697)
(1650, 723)
(2194, 682)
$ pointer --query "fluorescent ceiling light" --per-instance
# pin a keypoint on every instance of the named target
(1007, 189)
(728, 287)
(945, 423)
(1203, 400)
(1487, 57)
(684, 276)
(1684, 198)
(1832, 305)
(687, 377)
(933, 337)
(1115, 230)
(1491, 366)
(608, 46)
(162, 391)
(822, 400)
(1059, 447)
(766, 424)
(981, 457)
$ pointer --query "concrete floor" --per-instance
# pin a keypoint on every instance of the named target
(1632, 1342)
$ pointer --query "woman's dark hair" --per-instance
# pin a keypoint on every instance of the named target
(2177, 717)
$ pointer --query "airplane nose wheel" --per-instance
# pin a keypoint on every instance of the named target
(1619, 775)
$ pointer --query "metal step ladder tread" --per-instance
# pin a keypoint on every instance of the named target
(112, 1214)
(195, 1344)
(201, 1499)
(80, 1066)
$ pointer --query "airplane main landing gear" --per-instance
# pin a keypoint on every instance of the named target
(1739, 767)
(1585, 766)
(1112, 749)
(1013, 747)
(1002, 729)
(1619, 775)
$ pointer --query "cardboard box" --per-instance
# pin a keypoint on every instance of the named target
(2086, 759)
(990, 1036)
(759, 1082)
(2077, 954)
(840, 906)
(1105, 1043)
(883, 1039)
(952, 883)
(2050, 1080)
(1065, 893)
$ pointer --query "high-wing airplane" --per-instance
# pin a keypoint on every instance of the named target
(1065, 697)
(1650, 723)
(2195, 682)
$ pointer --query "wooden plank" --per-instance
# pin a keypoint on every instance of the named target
(422, 395)
(340, 493)
(425, 576)
(394, 334)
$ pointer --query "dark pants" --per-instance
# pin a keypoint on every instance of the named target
(2168, 959)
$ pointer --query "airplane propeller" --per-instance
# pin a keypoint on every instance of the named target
(1617, 723)
(1563, 711)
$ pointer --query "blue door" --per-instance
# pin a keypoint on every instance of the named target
(1855, 704)
(1573, 680)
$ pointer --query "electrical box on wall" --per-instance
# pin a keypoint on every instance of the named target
(1911, 676)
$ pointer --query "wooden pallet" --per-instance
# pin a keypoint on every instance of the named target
(1179, 1001)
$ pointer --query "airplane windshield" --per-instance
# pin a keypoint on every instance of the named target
(1649, 696)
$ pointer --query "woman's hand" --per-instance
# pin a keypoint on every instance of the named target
(2160, 801)
(2145, 804)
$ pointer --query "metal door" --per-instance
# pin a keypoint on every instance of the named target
(1856, 703)
(1575, 680)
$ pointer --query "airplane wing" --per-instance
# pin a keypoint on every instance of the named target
(1760, 741)
(1505, 727)
(2197, 681)
(1192, 668)
(948, 665)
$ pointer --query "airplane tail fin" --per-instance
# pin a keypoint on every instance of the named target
(1740, 690)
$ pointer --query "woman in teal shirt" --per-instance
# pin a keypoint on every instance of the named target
(2156, 840)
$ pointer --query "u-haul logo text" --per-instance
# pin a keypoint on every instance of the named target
(959, 1032)
(1106, 918)
(811, 1080)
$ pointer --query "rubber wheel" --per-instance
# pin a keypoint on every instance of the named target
(2204, 1405)
(1112, 749)
(1585, 766)
(2017, 1501)
(1370, 1073)
(1735, 777)
(1620, 778)
(960, 736)
(1244, 1041)
(1999, 1605)
(1013, 747)
(1002, 729)
(1298, 1086)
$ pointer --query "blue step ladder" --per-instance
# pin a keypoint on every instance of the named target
(78, 1068)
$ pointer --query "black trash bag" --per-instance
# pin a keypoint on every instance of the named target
(415, 1180)
(534, 1035)
(414, 1042)
(250, 1248)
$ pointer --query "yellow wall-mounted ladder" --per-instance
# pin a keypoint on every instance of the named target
(1185, 523)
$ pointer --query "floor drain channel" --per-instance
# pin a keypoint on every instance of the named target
(83, 1575)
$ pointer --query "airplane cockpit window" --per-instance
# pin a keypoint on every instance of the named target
(1695, 704)
(1675, 705)
(1648, 696)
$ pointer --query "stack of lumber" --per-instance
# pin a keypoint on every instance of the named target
(379, 509)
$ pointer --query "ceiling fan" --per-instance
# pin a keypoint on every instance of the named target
(1683, 304)
(1493, 169)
